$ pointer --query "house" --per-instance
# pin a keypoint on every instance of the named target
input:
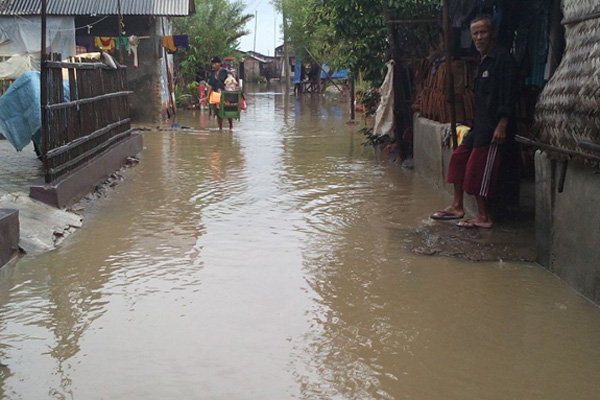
(76, 26)
(253, 65)
(256, 64)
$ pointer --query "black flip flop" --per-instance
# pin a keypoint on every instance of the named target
(445, 215)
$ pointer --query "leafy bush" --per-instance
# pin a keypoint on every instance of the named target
(260, 80)
(370, 100)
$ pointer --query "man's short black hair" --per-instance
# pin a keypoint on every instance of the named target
(481, 17)
(215, 59)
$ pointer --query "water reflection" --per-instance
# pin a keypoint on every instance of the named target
(269, 262)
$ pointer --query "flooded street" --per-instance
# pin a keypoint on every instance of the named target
(271, 263)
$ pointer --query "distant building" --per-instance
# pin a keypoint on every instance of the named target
(256, 64)
(280, 56)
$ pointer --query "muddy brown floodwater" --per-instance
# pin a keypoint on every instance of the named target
(270, 263)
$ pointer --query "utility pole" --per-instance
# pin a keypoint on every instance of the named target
(255, 28)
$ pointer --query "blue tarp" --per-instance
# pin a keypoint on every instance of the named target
(20, 110)
(342, 74)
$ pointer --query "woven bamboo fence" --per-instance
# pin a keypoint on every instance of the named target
(567, 116)
(95, 116)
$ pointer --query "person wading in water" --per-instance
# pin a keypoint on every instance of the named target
(216, 83)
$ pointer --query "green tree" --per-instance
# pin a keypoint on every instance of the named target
(361, 34)
(354, 34)
(215, 29)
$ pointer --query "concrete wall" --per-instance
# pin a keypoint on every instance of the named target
(9, 235)
(429, 156)
(432, 160)
(145, 83)
(568, 223)
(150, 81)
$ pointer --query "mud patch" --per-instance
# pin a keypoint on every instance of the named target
(507, 243)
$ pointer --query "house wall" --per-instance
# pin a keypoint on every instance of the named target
(251, 68)
(567, 223)
(145, 82)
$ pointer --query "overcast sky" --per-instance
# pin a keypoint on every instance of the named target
(268, 32)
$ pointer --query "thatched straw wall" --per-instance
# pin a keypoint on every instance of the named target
(568, 111)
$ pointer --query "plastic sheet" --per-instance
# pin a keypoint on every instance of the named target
(17, 65)
(21, 35)
(20, 110)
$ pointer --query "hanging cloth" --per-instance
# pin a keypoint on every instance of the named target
(181, 41)
(124, 42)
(384, 117)
(134, 42)
(168, 43)
(105, 43)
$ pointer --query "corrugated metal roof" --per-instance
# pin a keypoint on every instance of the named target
(99, 7)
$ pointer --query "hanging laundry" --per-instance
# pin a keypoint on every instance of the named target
(105, 43)
(181, 41)
(168, 43)
(124, 42)
(134, 42)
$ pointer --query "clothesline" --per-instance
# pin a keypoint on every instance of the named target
(130, 44)
(87, 26)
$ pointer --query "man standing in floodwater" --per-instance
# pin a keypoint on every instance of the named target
(475, 165)
(216, 83)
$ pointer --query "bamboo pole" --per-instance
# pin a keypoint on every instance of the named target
(449, 75)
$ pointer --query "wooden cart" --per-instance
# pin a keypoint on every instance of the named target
(231, 104)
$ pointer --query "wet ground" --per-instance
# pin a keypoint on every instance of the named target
(276, 262)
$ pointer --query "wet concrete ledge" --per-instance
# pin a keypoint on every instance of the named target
(77, 184)
(9, 235)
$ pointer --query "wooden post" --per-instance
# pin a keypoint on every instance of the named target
(44, 91)
(286, 55)
(449, 75)
(399, 120)
(120, 31)
(352, 110)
